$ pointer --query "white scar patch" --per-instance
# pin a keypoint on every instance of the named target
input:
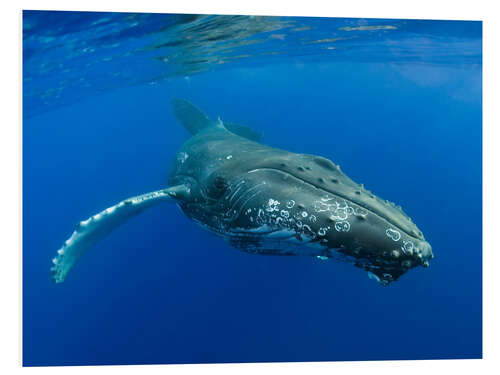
(393, 234)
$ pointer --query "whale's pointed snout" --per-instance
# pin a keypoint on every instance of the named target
(275, 211)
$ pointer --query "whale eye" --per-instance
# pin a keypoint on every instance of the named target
(218, 187)
(220, 183)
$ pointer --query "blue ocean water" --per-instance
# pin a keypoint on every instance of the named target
(397, 103)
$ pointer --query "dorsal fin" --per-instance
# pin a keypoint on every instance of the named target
(194, 120)
(243, 131)
(190, 116)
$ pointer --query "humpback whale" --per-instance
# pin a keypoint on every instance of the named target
(264, 200)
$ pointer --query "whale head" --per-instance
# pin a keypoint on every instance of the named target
(297, 204)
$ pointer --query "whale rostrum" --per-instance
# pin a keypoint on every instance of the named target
(264, 200)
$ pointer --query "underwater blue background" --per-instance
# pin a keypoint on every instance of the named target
(399, 108)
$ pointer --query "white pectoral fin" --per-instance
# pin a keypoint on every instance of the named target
(89, 232)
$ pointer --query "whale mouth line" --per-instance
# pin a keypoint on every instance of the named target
(361, 204)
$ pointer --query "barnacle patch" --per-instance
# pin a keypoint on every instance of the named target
(272, 205)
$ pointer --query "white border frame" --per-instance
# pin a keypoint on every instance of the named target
(11, 164)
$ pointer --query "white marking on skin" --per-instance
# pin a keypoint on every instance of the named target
(393, 234)
(360, 211)
(182, 157)
(229, 157)
(290, 203)
(308, 231)
(262, 229)
(407, 247)
(341, 213)
(327, 198)
(247, 193)
(342, 226)
(235, 192)
(344, 206)
(305, 239)
(320, 207)
(249, 198)
(272, 205)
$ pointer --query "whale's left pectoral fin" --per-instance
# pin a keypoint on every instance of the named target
(89, 232)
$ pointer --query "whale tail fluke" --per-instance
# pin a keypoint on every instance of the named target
(90, 231)
(195, 120)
